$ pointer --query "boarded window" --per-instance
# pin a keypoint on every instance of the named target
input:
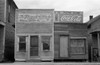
(22, 43)
(77, 46)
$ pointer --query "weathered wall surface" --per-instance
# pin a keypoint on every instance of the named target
(36, 21)
(69, 16)
(2, 9)
(9, 29)
(72, 30)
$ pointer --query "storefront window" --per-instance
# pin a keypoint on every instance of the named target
(46, 43)
(22, 43)
(77, 46)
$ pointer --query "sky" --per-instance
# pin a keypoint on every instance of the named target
(89, 7)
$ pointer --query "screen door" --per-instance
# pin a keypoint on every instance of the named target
(34, 45)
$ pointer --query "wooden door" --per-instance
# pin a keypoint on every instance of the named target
(34, 51)
(63, 46)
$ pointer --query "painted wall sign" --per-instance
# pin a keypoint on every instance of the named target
(65, 16)
(36, 17)
(71, 18)
(34, 21)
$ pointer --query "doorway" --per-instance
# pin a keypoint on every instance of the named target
(34, 46)
(2, 38)
(63, 46)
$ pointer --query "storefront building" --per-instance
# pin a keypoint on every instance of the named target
(34, 34)
(47, 35)
(70, 36)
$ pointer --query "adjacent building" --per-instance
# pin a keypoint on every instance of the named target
(34, 35)
(70, 41)
(70, 36)
(94, 31)
(7, 21)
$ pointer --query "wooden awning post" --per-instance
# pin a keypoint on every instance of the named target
(98, 37)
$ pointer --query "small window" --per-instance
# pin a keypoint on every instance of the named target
(77, 46)
(46, 43)
(22, 43)
(9, 13)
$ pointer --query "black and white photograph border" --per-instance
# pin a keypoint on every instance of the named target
(49, 32)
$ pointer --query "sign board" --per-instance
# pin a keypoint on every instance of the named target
(34, 21)
(69, 16)
(36, 17)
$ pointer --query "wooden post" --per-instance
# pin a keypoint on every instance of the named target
(98, 37)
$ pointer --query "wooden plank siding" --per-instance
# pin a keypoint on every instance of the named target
(33, 28)
(1, 41)
(72, 30)
(2, 13)
(9, 30)
(2, 8)
(34, 22)
(94, 31)
(10, 16)
(8, 44)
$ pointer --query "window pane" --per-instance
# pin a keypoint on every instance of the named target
(46, 42)
(34, 41)
(77, 46)
(22, 43)
(22, 39)
(77, 43)
(77, 50)
(22, 47)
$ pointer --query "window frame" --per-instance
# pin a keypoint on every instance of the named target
(21, 43)
(78, 38)
(46, 50)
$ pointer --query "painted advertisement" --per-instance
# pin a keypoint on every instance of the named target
(69, 16)
(34, 21)
(35, 15)
(40, 17)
